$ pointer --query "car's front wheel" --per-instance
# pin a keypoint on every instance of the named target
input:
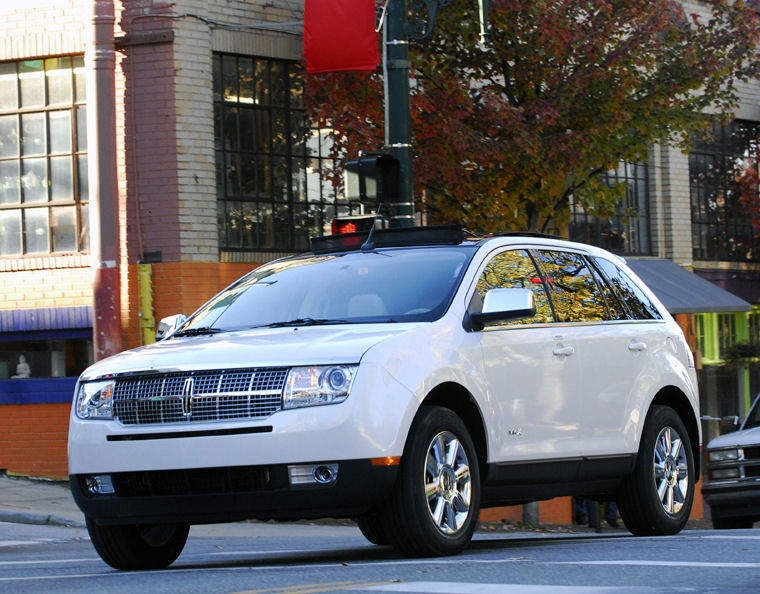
(657, 498)
(133, 546)
(434, 507)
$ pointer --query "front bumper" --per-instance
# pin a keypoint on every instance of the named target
(733, 500)
(230, 494)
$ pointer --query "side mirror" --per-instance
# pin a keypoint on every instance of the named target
(502, 305)
(168, 326)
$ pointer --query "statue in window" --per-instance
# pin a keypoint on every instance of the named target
(22, 369)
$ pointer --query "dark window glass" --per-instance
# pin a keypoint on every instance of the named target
(638, 305)
(351, 288)
(721, 226)
(627, 231)
(44, 358)
(262, 135)
(614, 305)
(43, 157)
(514, 269)
(572, 288)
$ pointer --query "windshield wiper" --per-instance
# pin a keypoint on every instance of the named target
(304, 322)
(198, 331)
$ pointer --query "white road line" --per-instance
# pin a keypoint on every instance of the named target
(731, 537)
(478, 588)
(671, 564)
(48, 561)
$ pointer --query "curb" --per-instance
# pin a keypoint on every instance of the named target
(38, 519)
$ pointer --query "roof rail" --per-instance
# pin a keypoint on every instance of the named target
(397, 237)
(528, 234)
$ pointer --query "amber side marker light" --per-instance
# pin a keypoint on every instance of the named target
(388, 461)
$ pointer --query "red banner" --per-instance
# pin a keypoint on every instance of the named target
(339, 35)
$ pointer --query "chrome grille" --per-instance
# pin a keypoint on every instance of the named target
(201, 396)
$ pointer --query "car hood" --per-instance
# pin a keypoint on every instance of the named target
(260, 347)
(741, 438)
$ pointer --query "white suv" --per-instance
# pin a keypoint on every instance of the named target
(406, 380)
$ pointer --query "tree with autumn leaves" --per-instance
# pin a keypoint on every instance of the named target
(506, 133)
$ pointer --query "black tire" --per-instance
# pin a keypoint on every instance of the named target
(732, 523)
(138, 547)
(453, 485)
(372, 528)
(665, 461)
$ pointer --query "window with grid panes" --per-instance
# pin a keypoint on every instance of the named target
(627, 231)
(721, 226)
(272, 164)
(43, 157)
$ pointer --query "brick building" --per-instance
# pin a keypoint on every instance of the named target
(218, 169)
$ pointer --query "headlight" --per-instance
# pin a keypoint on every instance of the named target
(95, 400)
(319, 384)
(723, 455)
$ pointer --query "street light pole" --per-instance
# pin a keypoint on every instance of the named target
(398, 112)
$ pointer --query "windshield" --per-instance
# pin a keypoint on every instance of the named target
(393, 285)
(753, 418)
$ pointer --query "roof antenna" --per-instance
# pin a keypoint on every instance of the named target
(369, 245)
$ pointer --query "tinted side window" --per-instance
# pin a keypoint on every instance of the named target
(514, 269)
(614, 305)
(573, 290)
(639, 306)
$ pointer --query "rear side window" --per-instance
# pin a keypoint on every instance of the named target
(637, 304)
(573, 289)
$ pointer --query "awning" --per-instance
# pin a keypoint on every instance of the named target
(45, 318)
(682, 291)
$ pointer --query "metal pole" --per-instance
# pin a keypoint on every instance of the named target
(104, 208)
(398, 111)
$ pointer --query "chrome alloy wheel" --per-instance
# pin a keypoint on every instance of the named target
(447, 483)
(671, 470)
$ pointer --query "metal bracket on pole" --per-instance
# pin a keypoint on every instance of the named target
(420, 28)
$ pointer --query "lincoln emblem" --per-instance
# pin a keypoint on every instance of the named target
(187, 397)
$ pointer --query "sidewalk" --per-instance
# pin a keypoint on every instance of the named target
(38, 501)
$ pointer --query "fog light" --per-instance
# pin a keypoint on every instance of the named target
(313, 474)
(100, 485)
(724, 473)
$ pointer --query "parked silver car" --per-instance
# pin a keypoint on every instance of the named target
(732, 487)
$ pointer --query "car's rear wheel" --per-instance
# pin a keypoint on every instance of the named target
(434, 507)
(138, 546)
(371, 525)
(732, 523)
(657, 498)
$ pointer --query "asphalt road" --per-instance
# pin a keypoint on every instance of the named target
(302, 558)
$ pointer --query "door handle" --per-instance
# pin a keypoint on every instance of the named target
(637, 347)
(563, 351)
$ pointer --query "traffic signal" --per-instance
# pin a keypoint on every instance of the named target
(373, 179)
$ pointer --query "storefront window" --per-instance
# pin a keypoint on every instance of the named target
(44, 358)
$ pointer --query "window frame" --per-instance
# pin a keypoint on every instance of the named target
(284, 194)
(69, 150)
(720, 226)
(630, 223)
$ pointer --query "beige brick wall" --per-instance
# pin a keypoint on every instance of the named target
(57, 27)
(46, 287)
